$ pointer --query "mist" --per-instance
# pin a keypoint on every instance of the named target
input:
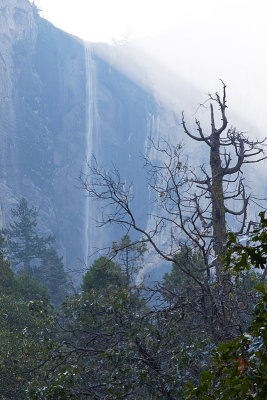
(176, 44)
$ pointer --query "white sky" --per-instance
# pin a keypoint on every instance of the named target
(200, 40)
(104, 20)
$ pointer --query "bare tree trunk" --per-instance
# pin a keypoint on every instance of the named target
(217, 194)
(194, 208)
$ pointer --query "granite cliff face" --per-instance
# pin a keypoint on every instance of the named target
(60, 103)
(42, 107)
(62, 100)
(17, 26)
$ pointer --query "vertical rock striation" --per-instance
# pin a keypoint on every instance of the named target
(42, 121)
(59, 103)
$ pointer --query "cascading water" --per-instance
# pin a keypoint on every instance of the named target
(91, 128)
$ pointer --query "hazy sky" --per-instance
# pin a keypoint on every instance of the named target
(104, 20)
(199, 40)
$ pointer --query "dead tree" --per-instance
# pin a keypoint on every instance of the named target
(193, 205)
(225, 170)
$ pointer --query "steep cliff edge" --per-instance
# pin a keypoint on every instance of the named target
(42, 107)
(52, 119)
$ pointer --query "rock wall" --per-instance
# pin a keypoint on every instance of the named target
(42, 118)
(45, 117)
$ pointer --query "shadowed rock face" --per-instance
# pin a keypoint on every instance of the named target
(44, 118)
(18, 32)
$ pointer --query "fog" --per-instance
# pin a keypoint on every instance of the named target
(175, 44)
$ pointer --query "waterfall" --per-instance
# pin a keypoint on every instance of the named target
(91, 113)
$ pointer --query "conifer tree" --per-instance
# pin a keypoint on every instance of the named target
(104, 275)
(24, 243)
(129, 255)
(51, 274)
(7, 279)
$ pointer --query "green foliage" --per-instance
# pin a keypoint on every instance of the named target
(25, 245)
(116, 349)
(51, 275)
(254, 253)
(111, 341)
(104, 274)
(7, 278)
(39, 264)
(177, 281)
(29, 288)
(130, 256)
(25, 342)
(21, 286)
(239, 369)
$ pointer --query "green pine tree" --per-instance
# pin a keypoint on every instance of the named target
(104, 275)
(51, 274)
(25, 245)
(7, 278)
(130, 256)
